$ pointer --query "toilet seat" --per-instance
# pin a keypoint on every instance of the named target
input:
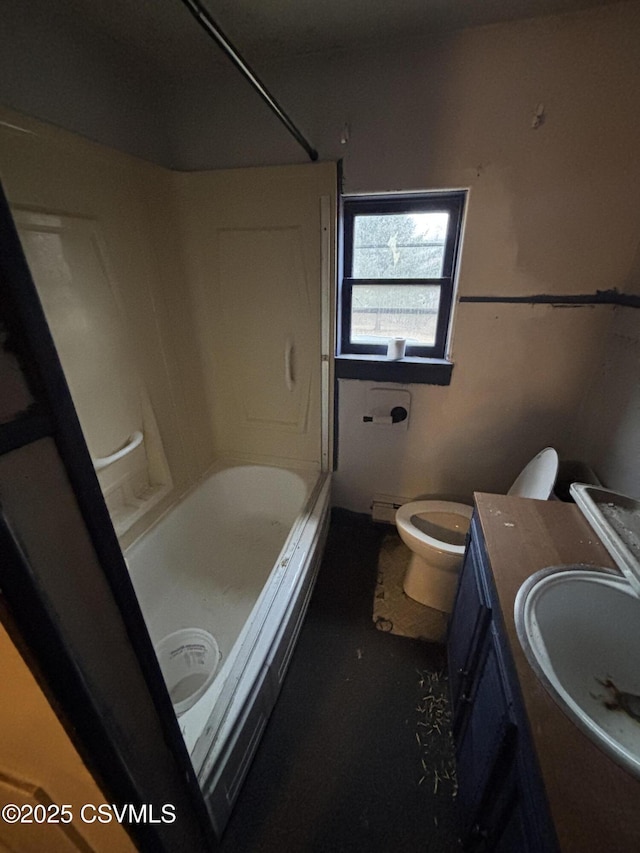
(458, 515)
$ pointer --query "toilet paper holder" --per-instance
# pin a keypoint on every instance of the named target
(395, 416)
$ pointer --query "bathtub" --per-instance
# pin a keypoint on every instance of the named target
(237, 556)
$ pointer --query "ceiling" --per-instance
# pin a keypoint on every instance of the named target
(165, 34)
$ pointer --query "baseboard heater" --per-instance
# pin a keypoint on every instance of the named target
(383, 510)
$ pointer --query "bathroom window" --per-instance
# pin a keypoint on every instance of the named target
(400, 257)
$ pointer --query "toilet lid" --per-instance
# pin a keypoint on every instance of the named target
(538, 478)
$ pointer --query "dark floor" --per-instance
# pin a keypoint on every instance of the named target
(351, 759)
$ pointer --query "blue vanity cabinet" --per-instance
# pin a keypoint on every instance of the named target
(501, 798)
(467, 629)
(485, 745)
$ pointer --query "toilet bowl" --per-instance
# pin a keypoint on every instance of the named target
(435, 531)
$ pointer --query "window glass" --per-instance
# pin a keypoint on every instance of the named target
(383, 311)
(399, 245)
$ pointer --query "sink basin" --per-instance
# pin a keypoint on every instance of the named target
(615, 518)
(580, 631)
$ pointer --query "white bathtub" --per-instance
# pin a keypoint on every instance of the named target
(237, 557)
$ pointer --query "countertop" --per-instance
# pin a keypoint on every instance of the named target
(595, 805)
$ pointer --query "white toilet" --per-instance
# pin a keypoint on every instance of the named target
(436, 531)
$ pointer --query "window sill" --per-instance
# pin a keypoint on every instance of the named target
(424, 371)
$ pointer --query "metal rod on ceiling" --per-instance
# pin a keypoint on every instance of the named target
(205, 20)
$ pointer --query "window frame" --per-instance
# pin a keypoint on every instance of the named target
(395, 203)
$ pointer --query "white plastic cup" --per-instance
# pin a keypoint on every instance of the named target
(396, 348)
(188, 660)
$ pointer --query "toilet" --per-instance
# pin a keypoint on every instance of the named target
(435, 531)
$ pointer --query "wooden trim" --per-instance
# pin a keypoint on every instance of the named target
(411, 371)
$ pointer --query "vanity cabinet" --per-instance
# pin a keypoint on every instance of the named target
(501, 797)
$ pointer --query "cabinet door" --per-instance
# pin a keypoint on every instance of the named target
(502, 801)
(513, 837)
(467, 630)
(485, 749)
(499, 823)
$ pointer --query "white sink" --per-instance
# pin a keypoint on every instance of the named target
(580, 631)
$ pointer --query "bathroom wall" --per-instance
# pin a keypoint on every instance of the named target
(55, 69)
(607, 430)
(552, 210)
(254, 257)
(96, 228)
(607, 427)
(184, 306)
(518, 380)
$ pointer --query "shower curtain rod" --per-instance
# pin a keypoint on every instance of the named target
(205, 20)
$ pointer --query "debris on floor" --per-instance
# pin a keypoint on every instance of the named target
(393, 611)
(434, 736)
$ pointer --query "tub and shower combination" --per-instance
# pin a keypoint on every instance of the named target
(236, 557)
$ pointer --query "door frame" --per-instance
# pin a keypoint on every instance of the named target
(72, 675)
